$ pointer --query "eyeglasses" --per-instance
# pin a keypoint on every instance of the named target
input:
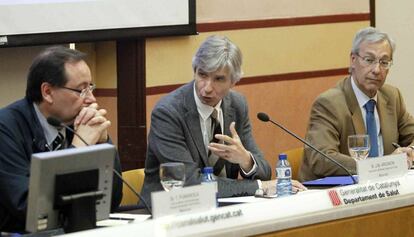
(84, 92)
(369, 61)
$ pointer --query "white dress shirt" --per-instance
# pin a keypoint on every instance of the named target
(362, 99)
(205, 123)
(50, 131)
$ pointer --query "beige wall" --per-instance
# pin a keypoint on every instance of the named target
(397, 19)
(102, 62)
(106, 64)
(14, 64)
(267, 52)
(232, 10)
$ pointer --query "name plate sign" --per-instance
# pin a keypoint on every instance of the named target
(381, 168)
(184, 200)
(356, 194)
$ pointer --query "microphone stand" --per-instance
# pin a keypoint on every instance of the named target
(312, 147)
(55, 122)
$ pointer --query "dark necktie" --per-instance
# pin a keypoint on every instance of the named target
(372, 128)
(57, 144)
(216, 129)
(215, 126)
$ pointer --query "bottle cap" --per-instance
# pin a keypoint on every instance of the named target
(208, 169)
(282, 156)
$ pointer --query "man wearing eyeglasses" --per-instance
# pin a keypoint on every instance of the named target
(359, 104)
(58, 86)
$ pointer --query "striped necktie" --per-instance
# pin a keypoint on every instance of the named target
(57, 144)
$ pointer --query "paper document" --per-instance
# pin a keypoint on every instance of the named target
(331, 181)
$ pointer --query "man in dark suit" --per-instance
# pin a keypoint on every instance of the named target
(59, 86)
(181, 127)
(342, 111)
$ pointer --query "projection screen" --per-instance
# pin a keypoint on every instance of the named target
(31, 22)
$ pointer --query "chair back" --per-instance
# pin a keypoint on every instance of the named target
(295, 159)
(135, 178)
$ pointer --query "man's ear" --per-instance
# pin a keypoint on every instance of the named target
(352, 59)
(47, 92)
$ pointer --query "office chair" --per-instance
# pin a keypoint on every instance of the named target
(295, 159)
(135, 178)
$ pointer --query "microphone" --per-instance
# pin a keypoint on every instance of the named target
(265, 118)
(55, 122)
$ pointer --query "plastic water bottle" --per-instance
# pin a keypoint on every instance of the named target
(209, 179)
(284, 177)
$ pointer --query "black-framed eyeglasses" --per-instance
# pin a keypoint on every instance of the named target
(370, 61)
(84, 92)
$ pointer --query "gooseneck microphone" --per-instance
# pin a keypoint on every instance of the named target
(265, 118)
(57, 123)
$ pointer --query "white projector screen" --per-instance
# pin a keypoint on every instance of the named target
(30, 22)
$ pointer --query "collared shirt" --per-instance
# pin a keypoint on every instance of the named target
(50, 131)
(205, 123)
(205, 112)
(362, 99)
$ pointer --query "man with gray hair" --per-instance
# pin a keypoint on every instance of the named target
(359, 104)
(205, 123)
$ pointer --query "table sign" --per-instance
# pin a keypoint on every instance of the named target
(380, 168)
(370, 191)
(184, 200)
(276, 214)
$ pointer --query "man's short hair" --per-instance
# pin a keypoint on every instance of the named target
(49, 66)
(371, 35)
(216, 53)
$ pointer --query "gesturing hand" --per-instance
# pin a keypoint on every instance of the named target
(232, 149)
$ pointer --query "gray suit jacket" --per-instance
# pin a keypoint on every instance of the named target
(175, 136)
(336, 114)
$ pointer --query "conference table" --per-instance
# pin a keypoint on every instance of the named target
(381, 208)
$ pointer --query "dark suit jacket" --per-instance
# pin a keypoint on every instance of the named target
(175, 136)
(336, 114)
(21, 135)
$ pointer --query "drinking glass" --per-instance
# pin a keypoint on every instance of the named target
(358, 146)
(172, 175)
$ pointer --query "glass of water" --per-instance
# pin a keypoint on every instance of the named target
(358, 146)
(172, 175)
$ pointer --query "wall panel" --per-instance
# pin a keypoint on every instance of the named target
(234, 10)
(285, 66)
(287, 102)
(396, 18)
(271, 52)
(266, 51)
